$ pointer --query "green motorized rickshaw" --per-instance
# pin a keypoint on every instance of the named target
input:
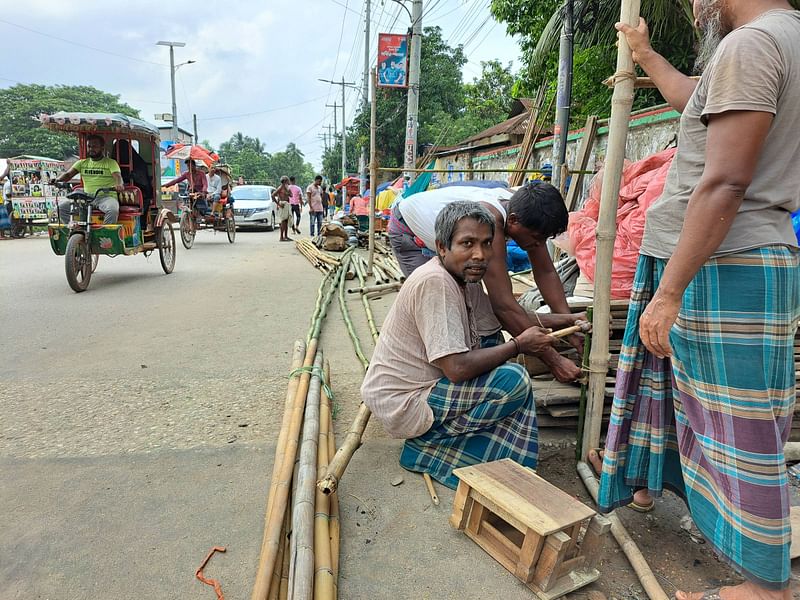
(143, 225)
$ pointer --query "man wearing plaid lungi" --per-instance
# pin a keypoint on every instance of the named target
(706, 384)
(434, 381)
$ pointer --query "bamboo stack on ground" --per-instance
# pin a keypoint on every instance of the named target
(334, 514)
(349, 322)
(321, 260)
(301, 566)
(324, 588)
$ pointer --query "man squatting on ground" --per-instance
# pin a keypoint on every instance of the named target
(434, 380)
(705, 388)
(97, 171)
(530, 216)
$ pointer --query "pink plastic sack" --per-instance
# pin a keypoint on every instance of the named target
(642, 184)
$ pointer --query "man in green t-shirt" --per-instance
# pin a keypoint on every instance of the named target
(97, 171)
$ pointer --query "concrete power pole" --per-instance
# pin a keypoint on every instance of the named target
(409, 160)
(194, 121)
(365, 93)
(563, 95)
(344, 84)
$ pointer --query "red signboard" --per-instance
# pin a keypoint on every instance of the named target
(392, 60)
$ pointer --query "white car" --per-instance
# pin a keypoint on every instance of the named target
(253, 207)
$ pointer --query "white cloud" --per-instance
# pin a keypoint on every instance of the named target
(250, 55)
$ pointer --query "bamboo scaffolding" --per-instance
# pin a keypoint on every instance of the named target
(621, 103)
(323, 572)
(643, 571)
(301, 567)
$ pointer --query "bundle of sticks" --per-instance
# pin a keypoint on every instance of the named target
(321, 260)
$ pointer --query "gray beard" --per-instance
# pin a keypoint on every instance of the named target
(713, 32)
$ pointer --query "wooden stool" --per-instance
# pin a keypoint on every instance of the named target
(529, 526)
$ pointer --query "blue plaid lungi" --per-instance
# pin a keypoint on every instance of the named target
(483, 419)
(710, 422)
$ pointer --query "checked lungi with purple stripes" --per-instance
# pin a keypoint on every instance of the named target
(711, 421)
(479, 420)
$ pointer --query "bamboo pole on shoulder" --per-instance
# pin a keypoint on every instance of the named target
(621, 103)
(301, 567)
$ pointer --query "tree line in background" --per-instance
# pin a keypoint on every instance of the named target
(248, 158)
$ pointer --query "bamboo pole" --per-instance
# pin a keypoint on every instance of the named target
(301, 568)
(365, 300)
(352, 442)
(373, 167)
(376, 288)
(323, 572)
(272, 528)
(524, 156)
(349, 323)
(621, 103)
(275, 585)
(643, 571)
(298, 353)
(334, 515)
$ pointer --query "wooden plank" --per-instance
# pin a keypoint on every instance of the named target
(529, 555)
(550, 559)
(594, 540)
(458, 519)
(475, 518)
(576, 186)
(501, 544)
(535, 502)
(567, 584)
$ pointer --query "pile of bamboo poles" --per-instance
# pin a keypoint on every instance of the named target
(321, 260)
(300, 545)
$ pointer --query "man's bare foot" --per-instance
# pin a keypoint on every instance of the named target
(642, 498)
(745, 591)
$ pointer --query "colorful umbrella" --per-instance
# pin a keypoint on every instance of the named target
(196, 152)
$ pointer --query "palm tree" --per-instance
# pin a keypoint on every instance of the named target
(594, 24)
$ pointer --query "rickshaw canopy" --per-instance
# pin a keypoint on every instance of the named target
(196, 152)
(81, 122)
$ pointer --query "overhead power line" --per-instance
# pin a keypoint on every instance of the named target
(261, 112)
(79, 44)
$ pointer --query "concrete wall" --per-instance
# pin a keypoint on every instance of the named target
(650, 132)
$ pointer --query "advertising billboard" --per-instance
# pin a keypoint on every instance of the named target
(392, 60)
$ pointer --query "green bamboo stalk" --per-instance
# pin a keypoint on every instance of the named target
(587, 350)
(346, 316)
(336, 278)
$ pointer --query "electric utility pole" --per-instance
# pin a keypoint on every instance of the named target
(344, 84)
(365, 93)
(409, 161)
(563, 95)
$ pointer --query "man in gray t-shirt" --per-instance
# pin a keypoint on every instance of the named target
(707, 367)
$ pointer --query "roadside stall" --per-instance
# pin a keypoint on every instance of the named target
(33, 197)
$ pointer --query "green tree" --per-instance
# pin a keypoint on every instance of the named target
(290, 162)
(20, 133)
(246, 157)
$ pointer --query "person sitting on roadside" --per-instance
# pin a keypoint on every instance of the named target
(198, 184)
(529, 216)
(433, 380)
(97, 171)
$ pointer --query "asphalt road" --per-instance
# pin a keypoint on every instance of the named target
(138, 426)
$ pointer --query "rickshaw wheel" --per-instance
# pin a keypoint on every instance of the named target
(78, 263)
(187, 231)
(166, 247)
(230, 227)
(95, 260)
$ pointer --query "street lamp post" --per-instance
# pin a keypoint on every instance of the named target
(172, 69)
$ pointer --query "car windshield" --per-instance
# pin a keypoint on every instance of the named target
(250, 192)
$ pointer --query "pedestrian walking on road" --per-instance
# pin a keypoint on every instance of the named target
(315, 207)
(281, 197)
(296, 202)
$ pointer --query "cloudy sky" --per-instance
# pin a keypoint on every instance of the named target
(258, 61)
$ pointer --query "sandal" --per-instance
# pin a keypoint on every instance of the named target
(643, 508)
(711, 595)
